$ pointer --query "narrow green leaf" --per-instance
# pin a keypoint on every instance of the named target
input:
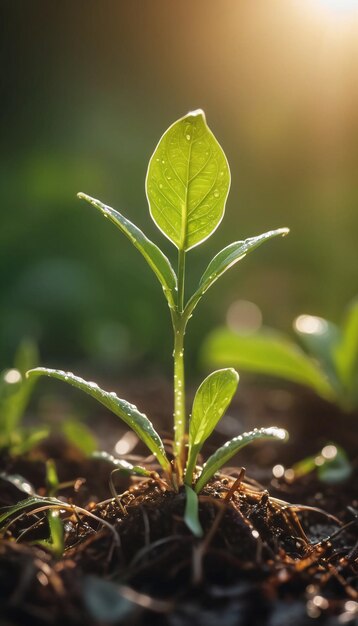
(9, 511)
(210, 403)
(226, 258)
(153, 255)
(124, 410)
(191, 514)
(230, 448)
(187, 182)
(266, 352)
(121, 464)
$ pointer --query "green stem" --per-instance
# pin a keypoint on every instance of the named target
(179, 324)
(181, 280)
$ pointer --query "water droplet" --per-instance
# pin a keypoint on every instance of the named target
(216, 193)
(187, 137)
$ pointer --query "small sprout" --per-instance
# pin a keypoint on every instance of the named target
(187, 185)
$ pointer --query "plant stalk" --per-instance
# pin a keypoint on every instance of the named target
(179, 324)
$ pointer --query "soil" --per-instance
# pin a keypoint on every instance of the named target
(262, 561)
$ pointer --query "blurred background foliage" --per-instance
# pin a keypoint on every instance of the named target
(89, 86)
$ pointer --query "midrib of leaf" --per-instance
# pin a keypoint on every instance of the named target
(184, 224)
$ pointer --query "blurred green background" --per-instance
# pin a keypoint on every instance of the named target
(87, 89)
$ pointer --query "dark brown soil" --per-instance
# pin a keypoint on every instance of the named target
(262, 562)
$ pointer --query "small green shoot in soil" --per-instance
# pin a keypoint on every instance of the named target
(187, 185)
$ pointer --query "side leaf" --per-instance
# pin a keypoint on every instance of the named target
(191, 514)
(268, 353)
(210, 403)
(230, 448)
(124, 410)
(188, 182)
(155, 258)
(226, 258)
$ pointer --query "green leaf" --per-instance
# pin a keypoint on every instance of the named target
(56, 542)
(152, 254)
(15, 392)
(9, 511)
(191, 514)
(52, 481)
(80, 435)
(336, 470)
(346, 355)
(187, 182)
(226, 258)
(124, 410)
(121, 464)
(230, 448)
(320, 338)
(267, 353)
(210, 403)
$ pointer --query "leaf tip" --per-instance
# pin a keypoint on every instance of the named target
(280, 433)
(197, 113)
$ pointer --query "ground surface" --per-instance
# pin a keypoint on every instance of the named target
(261, 562)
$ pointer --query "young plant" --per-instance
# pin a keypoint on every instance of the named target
(329, 364)
(187, 185)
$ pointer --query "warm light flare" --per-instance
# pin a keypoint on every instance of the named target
(339, 6)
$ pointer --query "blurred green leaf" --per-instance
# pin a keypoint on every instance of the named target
(320, 343)
(191, 514)
(210, 403)
(226, 258)
(346, 355)
(335, 470)
(188, 181)
(15, 393)
(231, 447)
(52, 481)
(80, 435)
(152, 254)
(124, 410)
(267, 353)
(105, 602)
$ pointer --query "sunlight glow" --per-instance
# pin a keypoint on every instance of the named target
(339, 6)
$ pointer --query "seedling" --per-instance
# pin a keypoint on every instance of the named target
(187, 185)
(329, 364)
